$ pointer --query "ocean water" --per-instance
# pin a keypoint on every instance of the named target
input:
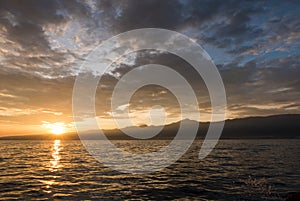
(235, 170)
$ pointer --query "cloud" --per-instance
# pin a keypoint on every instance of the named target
(58, 34)
(42, 44)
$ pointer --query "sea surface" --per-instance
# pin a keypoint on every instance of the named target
(235, 170)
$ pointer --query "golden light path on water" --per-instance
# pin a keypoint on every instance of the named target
(54, 164)
(55, 156)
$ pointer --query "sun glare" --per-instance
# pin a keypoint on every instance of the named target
(56, 128)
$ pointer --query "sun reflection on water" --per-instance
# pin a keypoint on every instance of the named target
(55, 156)
(53, 166)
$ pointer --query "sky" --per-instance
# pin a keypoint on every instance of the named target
(254, 44)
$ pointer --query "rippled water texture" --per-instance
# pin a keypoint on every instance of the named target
(235, 170)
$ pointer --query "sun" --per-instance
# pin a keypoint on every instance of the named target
(57, 128)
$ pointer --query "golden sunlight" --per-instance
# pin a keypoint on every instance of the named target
(57, 128)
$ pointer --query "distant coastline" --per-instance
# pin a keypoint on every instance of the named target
(270, 127)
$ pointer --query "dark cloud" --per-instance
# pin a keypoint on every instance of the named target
(238, 27)
(27, 28)
(147, 14)
(24, 19)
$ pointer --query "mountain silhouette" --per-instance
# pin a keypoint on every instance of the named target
(271, 127)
